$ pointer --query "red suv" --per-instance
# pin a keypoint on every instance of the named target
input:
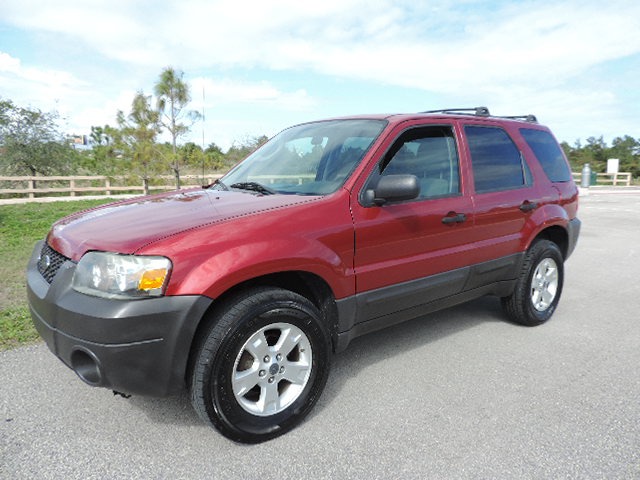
(242, 291)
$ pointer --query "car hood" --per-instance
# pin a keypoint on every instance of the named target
(128, 226)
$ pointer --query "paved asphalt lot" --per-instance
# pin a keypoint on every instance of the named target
(458, 394)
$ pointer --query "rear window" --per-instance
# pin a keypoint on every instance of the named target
(548, 153)
(495, 159)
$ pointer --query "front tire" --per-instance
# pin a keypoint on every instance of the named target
(539, 286)
(261, 366)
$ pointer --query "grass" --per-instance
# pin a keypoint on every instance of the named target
(21, 226)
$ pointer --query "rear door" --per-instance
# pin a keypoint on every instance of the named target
(504, 196)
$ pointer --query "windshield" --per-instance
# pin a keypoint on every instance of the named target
(309, 159)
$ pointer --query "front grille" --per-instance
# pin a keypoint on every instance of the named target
(50, 262)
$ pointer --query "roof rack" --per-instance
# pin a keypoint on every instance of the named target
(483, 112)
(480, 111)
(527, 118)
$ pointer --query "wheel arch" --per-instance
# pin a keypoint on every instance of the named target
(306, 284)
(557, 235)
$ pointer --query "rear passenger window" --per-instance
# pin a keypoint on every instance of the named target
(548, 153)
(430, 154)
(495, 159)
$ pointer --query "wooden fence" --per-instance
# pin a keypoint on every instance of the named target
(615, 179)
(31, 188)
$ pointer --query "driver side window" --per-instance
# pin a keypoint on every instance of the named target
(430, 154)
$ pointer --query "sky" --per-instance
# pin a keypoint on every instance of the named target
(256, 67)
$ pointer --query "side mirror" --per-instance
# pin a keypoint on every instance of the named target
(392, 188)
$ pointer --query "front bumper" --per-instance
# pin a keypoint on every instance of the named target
(134, 346)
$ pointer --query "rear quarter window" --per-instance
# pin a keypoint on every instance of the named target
(548, 153)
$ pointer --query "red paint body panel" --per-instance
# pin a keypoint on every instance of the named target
(127, 226)
(218, 239)
(311, 234)
(409, 241)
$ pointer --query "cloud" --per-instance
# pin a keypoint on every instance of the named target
(227, 91)
(101, 112)
(43, 82)
(399, 43)
(78, 105)
(442, 49)
(449, 50)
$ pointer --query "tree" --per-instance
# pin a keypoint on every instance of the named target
(627, 150)
(213, 148)
(596, 152)
(103, 157)
(172, 97)
(137, 134)
(100, 135)
(239, 152)
(192, 155)
(214, 158)
(30, 142)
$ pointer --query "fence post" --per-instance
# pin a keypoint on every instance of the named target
(32, 186)
(72, 186)
(145, 185)
(107, 185)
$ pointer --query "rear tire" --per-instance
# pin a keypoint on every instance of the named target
(261, 366)
(539, 286)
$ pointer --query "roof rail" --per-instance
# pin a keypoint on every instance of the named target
(483, 112)
(480, 111)
(527, 118)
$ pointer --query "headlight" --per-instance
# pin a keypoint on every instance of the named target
(111, 275)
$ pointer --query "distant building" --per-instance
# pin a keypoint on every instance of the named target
(78, 139)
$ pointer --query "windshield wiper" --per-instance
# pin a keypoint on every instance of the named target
(254, 187)
(218, 183)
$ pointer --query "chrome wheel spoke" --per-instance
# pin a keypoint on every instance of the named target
(296, 373)
(288, 341)
(245, 381)
(257, 345)
(269, 402)
(272, 369)
(544, 284)
(546, 298)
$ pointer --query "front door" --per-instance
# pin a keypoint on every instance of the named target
(412, 252)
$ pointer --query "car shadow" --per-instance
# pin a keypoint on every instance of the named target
(173, 410)
(361, 353)
(383, 345)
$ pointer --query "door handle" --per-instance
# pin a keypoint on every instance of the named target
(528, 206)
(453, 217)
